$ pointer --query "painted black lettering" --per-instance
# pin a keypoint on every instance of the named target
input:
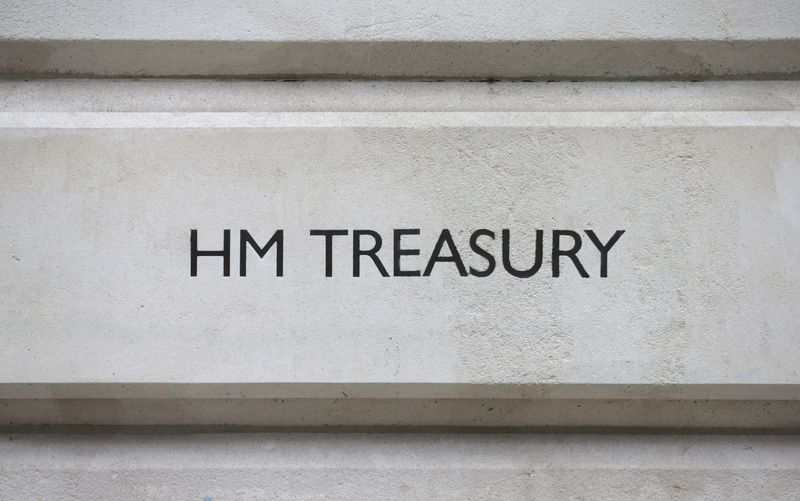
(477, 249)
(604, 248)
(372, 253)
(454, 257)
(399, 252)
(225, 253)
(328, 234)
(537, 260)
(245, 240)
(570, 253)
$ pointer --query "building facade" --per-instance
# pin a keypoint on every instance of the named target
(418, 250)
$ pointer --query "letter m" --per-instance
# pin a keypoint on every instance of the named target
(245, 240)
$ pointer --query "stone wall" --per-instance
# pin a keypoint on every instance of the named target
(574, 219)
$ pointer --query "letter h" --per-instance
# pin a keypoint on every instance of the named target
(225, 253)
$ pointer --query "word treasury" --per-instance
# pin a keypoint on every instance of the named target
(366, 249)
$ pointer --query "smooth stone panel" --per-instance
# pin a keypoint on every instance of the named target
(398, 466)
(97, 210)
(422, 20)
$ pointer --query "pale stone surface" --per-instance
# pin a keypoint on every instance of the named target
(702, 288)
(422, 20)
(161, 95)
(398, 466)
(695, 329)
(420, 38)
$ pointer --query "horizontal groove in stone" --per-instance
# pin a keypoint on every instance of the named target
(619, 59)
(360, 412)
